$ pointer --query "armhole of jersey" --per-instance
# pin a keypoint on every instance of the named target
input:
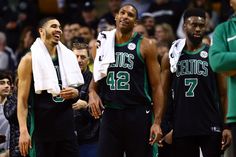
(138, 49)
(146, 86)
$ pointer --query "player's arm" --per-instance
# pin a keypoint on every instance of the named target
(226, 134)
(24, 82)
(149, 52)
(221, 60)
(94, 102)
(165, 76)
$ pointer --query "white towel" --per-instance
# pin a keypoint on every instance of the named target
(44, 73)
(105, 54)
(175, 52)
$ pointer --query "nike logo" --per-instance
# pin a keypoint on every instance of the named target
(147, 111)
(231, 38)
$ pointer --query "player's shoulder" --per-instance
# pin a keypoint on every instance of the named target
(27, 58)
(148, 41)
(148, 44)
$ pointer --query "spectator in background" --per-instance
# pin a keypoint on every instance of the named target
(74, 28)
(226, 11)
(91, 44)
(5, 90)
(72, 10)
(166, 11)
(164, 33)
(148, 21)
(7, 57)
(67, 35)
(10, 111)
(9, 25)
(109, 17)
(89, 15)
(27, 37)
(141, 5)
(87, 127)
(86, 33)
(139, 28)
(27, 13)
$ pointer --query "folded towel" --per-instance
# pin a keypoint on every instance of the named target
(105, 54)
(44, 73)
(175, 52)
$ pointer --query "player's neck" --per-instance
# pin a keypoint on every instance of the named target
(123, 37)
(193, 47)
(52, 50)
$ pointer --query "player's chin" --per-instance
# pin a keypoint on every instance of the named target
(55, 42)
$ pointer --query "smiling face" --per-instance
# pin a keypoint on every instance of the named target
(126, 18)
(51, 32)
(195, 28)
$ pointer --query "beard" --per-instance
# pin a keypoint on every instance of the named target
(194, 40)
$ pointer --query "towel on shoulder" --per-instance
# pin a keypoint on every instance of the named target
(105, 54)
(44, 73)
(175, 52)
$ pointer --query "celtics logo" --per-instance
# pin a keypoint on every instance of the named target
(204, 54)
(131, 46)
(58, 99)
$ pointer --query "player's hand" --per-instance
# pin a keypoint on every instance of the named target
(24, 143)
(168, 138)
(80, 104)
(95, 105)
(69, 93)
(226, 139)
(155, 134)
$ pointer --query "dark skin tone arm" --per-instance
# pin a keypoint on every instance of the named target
(149, 52)
(95, 103)
(166, 82)
(165, 75)
(226, 134)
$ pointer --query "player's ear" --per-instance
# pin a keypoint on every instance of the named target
(116, 17)
(184, 26)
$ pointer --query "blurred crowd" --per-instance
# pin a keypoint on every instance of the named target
(159, 20)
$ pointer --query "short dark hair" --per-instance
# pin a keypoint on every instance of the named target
(45, 20)
(128, 4)
(194, 12)
(6, 75)
(79, 43)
